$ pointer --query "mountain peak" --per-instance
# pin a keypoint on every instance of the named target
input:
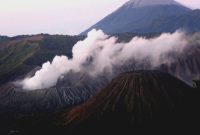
(147, 16)
(143, 3)
(132, 100)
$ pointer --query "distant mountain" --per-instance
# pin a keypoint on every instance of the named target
(188, 22)
(149, 16)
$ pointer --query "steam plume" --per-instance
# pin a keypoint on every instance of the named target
(100, 51)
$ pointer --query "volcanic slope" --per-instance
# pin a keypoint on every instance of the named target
(137, 101)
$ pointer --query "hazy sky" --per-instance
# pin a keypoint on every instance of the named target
(57, 16)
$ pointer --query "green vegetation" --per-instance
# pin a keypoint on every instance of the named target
(20, 55)
(52, 45)
(14, 57)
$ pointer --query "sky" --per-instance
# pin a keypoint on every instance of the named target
(18, 17)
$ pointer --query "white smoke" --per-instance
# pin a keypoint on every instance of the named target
(99, 52)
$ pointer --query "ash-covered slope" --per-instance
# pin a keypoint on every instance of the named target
(74, 89)
(135, 100)
(149, 16)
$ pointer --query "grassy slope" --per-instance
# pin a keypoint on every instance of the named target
(14, 57)
(19, 56)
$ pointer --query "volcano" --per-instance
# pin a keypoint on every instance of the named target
(133, 101)
(149, 16)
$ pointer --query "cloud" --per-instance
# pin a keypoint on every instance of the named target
(100, 52)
